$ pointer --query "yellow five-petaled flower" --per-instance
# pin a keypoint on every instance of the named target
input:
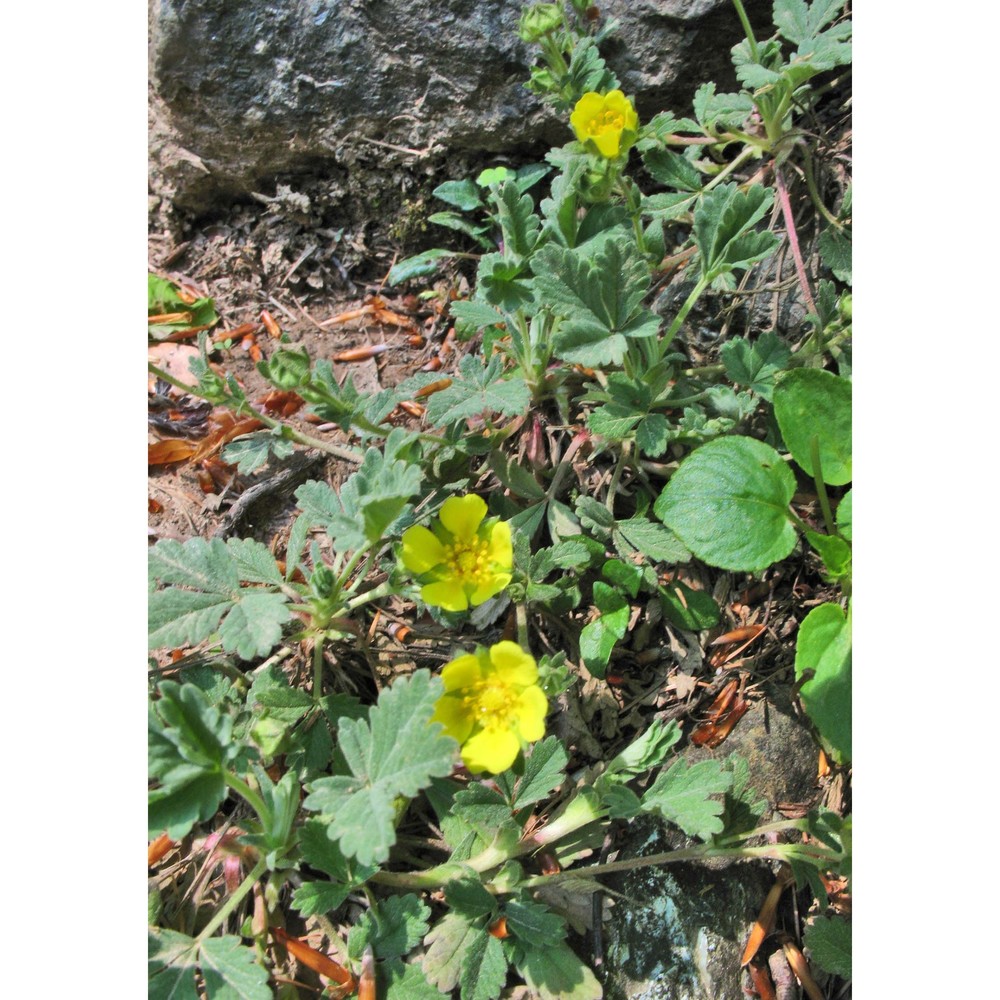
(603, 118)
(492, 705)
(462, 560)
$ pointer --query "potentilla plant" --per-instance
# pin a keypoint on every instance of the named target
(423, 794)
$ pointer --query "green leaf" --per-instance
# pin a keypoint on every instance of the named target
(250, 618)
(446, 944)
(392, 927)
(721, 110)
(728, 503)
(824, 647)
(627, 576)
(672, 170)
(478, 390)
(829, 942)
(533, 924)
(371, 499)
(397, 752)
(518, 223)
(272, 695)
(476, 314)
(462, 194)
(468, 897)
(598, 638)
(754, 365)
(484, 968)
(173, 959)
(723, 224)
(555, 972)
(681, 796)
(452, 220)
(648, 751)
(322, 853)
(836, 250)
(544, 770)
(228, 968)
(655, 541)
(419, 266)
(809, 404)
(599, 295)
(163, 297)
(406, 982)
(690, 609)
(253, 451)
(834, 551)
(801, 22)
(844, 514)
(319, 897)
(231, 972)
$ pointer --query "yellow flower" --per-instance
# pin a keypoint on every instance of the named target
(492, 705)
(603, 119)
(462, 560)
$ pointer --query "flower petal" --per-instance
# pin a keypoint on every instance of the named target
(489, 585)
(588, 107)
(462, 672)
(447, 594)
(422, 550)
(532, 707)
(463, 515)
(608, 142)
(451, 712)
(501, 552)
(492, 750)
(512, 664)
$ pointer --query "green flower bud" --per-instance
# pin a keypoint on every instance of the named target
(844, 307)
(323, 582)
(538, 20)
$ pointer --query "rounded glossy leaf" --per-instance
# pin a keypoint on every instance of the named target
(824, 647)
(811, 403)
(728, 503)
(844, 519)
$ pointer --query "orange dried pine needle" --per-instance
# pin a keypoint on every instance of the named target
(764, 923)
(366, 984)
(801, 969)
(156, 849)
(361, 353)
(760, 976)
(313, 959)
(270, 324)
(428, 390)
(738, 635)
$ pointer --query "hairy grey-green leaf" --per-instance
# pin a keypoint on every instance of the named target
(478, 389)
(682, 796)
(484, 969)
(231, 971)
(397, 752)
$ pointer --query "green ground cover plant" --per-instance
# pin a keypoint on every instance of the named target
(306, 786)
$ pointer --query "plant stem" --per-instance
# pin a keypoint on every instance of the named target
(742, 158)
(793, 238)
(286, 429)
(234, 900)
(668, 337)
(382, 590)
(318, 668)
(238, 785)
(747, 30)
(824, 500)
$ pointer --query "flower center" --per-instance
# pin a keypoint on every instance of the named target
(492, 703)
(468, 561)
(607, 121)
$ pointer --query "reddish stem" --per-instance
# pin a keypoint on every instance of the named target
(793, 238)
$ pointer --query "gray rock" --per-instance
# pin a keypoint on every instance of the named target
(246, 92)
(679, 932)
